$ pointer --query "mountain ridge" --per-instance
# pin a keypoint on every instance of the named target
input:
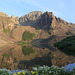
(45, 23)
(48, 21)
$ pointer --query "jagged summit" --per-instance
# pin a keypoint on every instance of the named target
(12, 16)
(53, 25)
(47, 21)
(33, 13)
(30, 18)
(49, 13)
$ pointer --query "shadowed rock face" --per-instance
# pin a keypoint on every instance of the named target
(30, 18)
(44, 21)
(54, 25)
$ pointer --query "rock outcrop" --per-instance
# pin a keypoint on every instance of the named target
(3, 14)
(30, 18)
(6, 26)
(15, 19)
(12, 16)
(6, 23)
(54, 25)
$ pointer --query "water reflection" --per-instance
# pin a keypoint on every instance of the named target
(27, 50)
(16, 56)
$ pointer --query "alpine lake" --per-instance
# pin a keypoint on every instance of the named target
(14, 56)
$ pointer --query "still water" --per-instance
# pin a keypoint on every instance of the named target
(16, 56)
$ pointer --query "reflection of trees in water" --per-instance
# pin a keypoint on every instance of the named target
(67, 45)
(28, 60)
(43, 60)
(27, 50)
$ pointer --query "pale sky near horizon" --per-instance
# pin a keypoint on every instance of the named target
(61, 8)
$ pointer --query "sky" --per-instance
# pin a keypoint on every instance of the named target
(64, 9)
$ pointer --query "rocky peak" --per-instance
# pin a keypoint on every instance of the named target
(45, 20)
(17, 17)
(61, 21)
(54, 25)
(49, 13)
(12, 16)
(30, 18)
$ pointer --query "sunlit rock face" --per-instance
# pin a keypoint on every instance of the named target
(6, 22)
(15, 19)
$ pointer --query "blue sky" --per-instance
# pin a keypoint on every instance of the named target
(61, 8)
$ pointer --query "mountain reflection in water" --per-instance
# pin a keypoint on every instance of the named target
(16, 56)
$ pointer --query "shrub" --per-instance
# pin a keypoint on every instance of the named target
(5, 55)
(6, 30)
(27, 50)
(28, 36)
(67, 45)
